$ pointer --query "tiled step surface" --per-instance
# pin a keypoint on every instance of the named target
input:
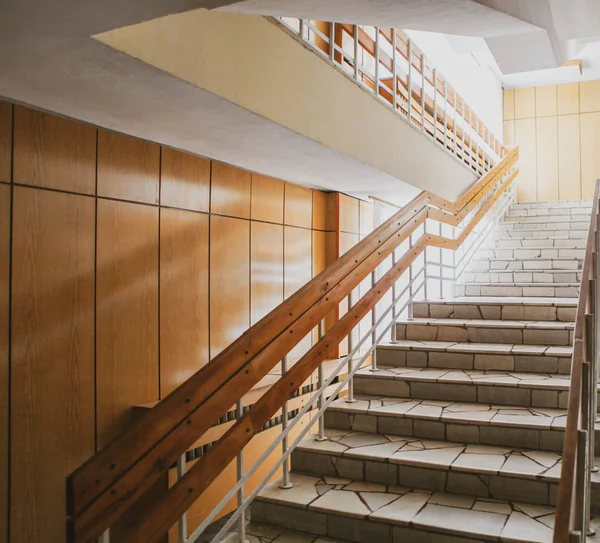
(522, 276)
(573, 218)
(550, 290)
(530, 253)
(542, 224)
(366, 512)
(538, 233)
(546, 242)
(533, 265)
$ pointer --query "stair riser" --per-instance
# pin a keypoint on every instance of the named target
(545, 291)
(356, 530)
(531, 254)
(558, 203)
(438, 479)
(489, 265)
(543, 225)
(579, 217)
(496, 312)
(550, 212)
(421, 331)
(469, 361)
(543, 234)
(456, 431)
(457, 392)
(521, 277)
(538, 243)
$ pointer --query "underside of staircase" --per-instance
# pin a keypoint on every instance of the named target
(458, 435)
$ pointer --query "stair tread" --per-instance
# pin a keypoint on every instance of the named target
(485, 348)
(438, 512)
(489, 323)
(516, 284)
(503, 300)
(479, 414)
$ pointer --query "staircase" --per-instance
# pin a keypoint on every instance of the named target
(457, 437)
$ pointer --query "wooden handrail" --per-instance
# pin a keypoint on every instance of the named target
(103, 488)
(563, 520)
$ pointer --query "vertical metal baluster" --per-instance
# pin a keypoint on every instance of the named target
(105, 537)
(453, 290)
(446, 114)
(320, 380)
(395, 69)
(435, 100)
(285, 483)
(410, 281)
(580, 486)
(441, 262)
(409, 82)
(394, 309)
(182, 522)
(373, 323)
(301, 31)
(377, 61)
(240, 475)
(422, 92)
(350, 395)
(332, 41)
(356, 52)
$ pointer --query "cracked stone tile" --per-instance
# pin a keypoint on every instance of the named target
(303, 492)
(294, 537)
(403, 510)
(478, 463)
(519, 464)
(327, 445)
(336, 500)
(437, 457)
(480, 416)
(452, 500)
(492, 507)
(384, 450)
(330, 480)
(396, 408)
(545, 458)
(322, 488)
(460, 407)
(548, 520)
(425, 411)
(377, 500)
(365, 486)
(487, 449)
(532, 510)
(363, 440)
(523, 421)
(523, 528)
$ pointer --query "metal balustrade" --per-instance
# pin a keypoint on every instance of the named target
(387, 64)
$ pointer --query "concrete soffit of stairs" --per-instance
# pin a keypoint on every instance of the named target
(252, 63)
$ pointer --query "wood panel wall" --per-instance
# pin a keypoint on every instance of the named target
(124, 267)
(557, 128)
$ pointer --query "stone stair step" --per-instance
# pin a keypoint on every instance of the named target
(552, 290)
(534, 334)
(556, 203)
(503, 388)
(534, 233)
(573, 217)
(531, 253)
(522, 276)
(498, 308)
(549, 212)
(475, 423)
(483, 471)
(535, 264)
(547, 242)
(542, 224)
(362, 512)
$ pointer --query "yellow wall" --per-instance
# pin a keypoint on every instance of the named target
(557, 128)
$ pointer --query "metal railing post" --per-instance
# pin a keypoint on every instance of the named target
(441, 262)
(356, 52)
(395, 69)
(423, 101)
(394, 338)
(435, 100)
(301, 30)
(454, 125)
(350, 395)
(182, 522)
(105, 537)
(332, 41)
(410, 281)
(580, 484)
(285, 482)
(409, 80)
(377, 61)
(320, 379)
(240, 475)
(446, 114)
(374, 324)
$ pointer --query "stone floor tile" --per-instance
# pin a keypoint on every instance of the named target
(341, 500)
(519, 464)
(377, 500)
(432, 457)
(492, 507)
(303, 492)
(403, 510)
(520, 527)
(452, 500)
(384, 450)
(479, 463)
(545, 458)
(365, 486)
(294, 537)
(363, 440)
(533, 510)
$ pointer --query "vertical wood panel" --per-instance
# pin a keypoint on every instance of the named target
(524, 103)
(266, 268)
(547, 158)
(590, 157)
(589, 97)
(298, 272)
(509, 133)
(568, 98)
(128, 168)
(545, 101)
(569, 158)
(185, 180)
(319, 221)
(267, 199)
(229, 281)
(349, 214)
(6, 112)
(52, 375)
(4, 369)
(319, 252)
(366, 217)
(54, 152)
(183, 296)
(508, 97)
(127, 313)
(298, 206)
(230, 190)
(525, 138)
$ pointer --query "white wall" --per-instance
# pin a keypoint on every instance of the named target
(455, 58)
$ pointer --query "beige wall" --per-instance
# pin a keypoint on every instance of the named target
(557, 128)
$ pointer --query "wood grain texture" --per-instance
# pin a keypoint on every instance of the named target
(568, 98)
(229, 281)
(524, 103)
(349, 214)
(267, 199)
(508, 99)
(266, 269)
(547, 158)
(546, 101)
(54, 152)
(52, 369)
(590, 157)
(525, 133)
(230, 190)
(4, 369)
(128, 168)
(6, 121)
(569, 158)
(319, 221)
(366, 210)
(126, 314)
(185, 180)
(589, 96)
(183, 296)
(298, 206)
(319, 252)
(509, 133)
